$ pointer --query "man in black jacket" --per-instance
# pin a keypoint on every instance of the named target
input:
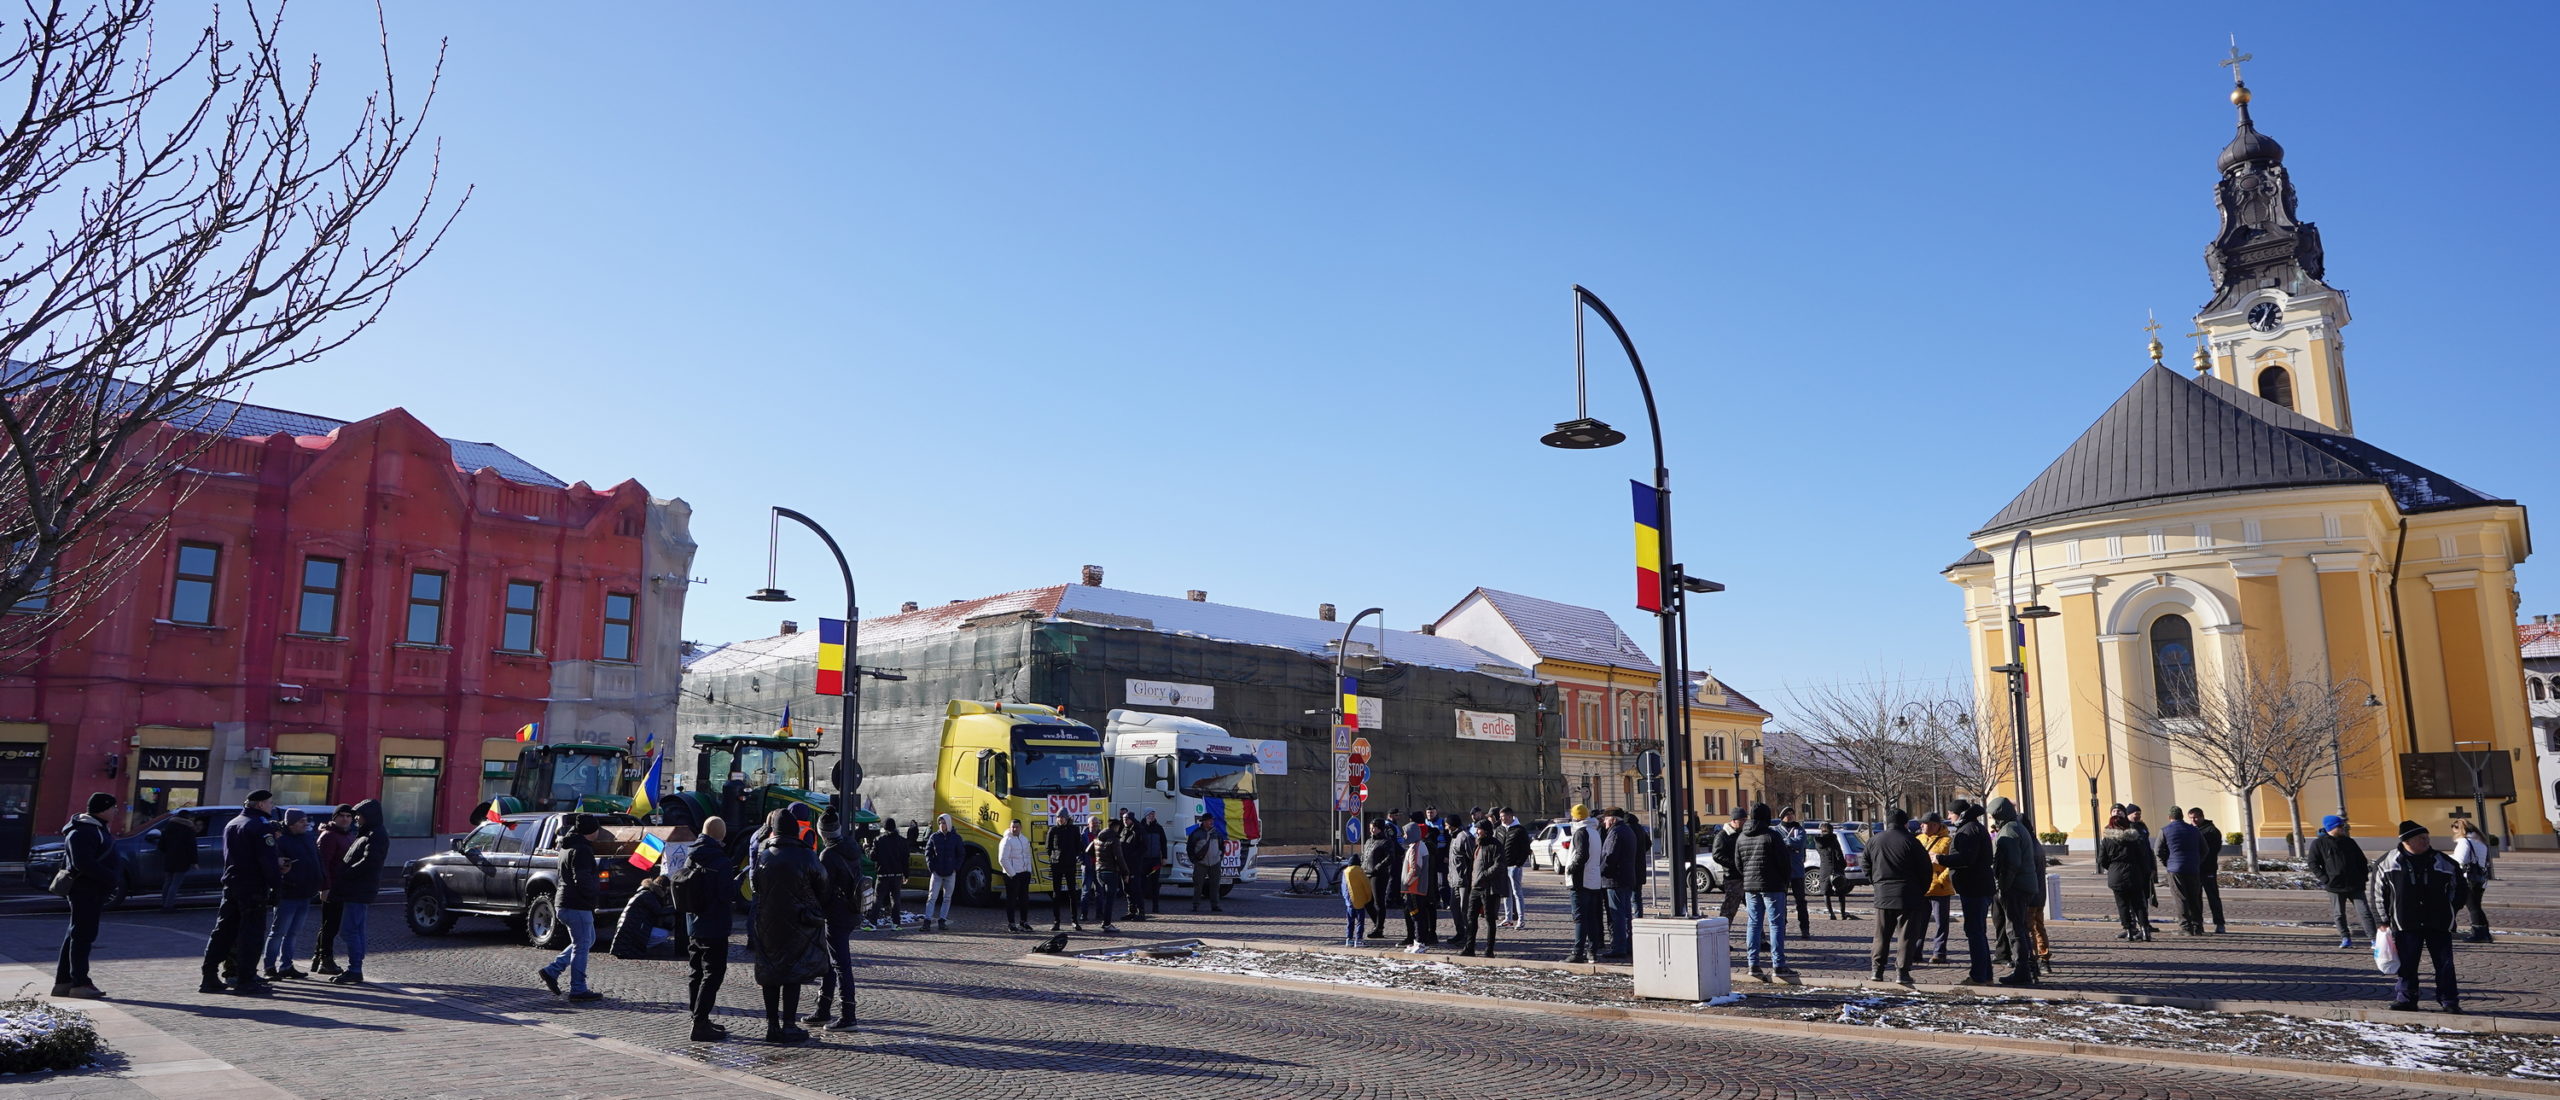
(1899, 866)
(1381, 858)
(892, 854)
(177, 846)
(1763, 856)
(249, 875)
(1515, 859)
(576, 908)
(1066, 854)
(2339, 866)
(1970, 857)
(706, 902)
(94, 867)
(1626, 870)
(2211, 884)
(2417, 889)
(1720, 852)
(1205, 845)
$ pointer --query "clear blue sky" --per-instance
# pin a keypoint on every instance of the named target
(1271, 300)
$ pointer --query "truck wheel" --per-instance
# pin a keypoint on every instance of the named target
(542, 927)
(977, 881)
(427, 913)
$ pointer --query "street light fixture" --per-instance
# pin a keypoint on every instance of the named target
(1584, 433)
(2016, 670)
(1340, 652)
(849, 767)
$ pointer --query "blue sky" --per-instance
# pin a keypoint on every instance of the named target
(1271, 300)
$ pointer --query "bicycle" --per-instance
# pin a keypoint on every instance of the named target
(1320, 874)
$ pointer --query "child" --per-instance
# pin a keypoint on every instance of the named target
(1355, 906)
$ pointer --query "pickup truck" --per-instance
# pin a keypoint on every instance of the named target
(511, 869)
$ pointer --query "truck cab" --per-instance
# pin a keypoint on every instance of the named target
(1007, 762)
(1181, 767)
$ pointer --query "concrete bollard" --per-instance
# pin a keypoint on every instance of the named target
(1683, 959)
(2053, 896)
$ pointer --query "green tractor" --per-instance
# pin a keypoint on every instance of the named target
(566, 777)
(741, 778)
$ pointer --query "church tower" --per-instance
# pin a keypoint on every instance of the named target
(2273, 323)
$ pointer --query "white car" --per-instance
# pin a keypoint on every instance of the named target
(1553, 845)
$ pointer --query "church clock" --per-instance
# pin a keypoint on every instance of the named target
(2264, 316)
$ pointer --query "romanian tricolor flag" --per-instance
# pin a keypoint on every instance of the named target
(1236, 818)
(830, 656)
(645, 799)
(1648, 547)
(528, 731)
(1351, 702)
(784, 730)
(645, 855)
(492, 815)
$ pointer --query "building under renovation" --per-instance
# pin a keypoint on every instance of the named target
(1450, 725)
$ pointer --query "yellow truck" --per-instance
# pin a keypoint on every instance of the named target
(994, 764)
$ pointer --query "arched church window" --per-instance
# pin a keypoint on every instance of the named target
(2173, 667)
(2276, 384)
(2537, 688)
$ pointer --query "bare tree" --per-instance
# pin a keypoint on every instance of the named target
(169, 230)
(1862, 750)
(1983, 750)
(2237, 731)
(2325, 725)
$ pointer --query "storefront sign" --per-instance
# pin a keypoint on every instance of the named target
(1158, 693)
(174, 760)
(1271, 757)
(1476, 725)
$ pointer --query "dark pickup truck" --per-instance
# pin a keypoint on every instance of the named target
(512, 871)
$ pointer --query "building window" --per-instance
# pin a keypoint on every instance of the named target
(409, 793)
(515, 634)
(301, 779)
(191, 595)
(426, 608)
(618, 608)
(2173, 667)
(320, 580)
(2537, 688)
(2276, 384)
(1751, 752)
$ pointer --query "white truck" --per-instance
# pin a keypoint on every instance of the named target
(1181, 767)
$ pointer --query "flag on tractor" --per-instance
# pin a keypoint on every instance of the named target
(645, 799)
(528, 731)
(784, 730)
(1648, 547)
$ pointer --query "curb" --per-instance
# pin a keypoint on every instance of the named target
(155, 1061)
(2479, 1024)
(2454, 1084)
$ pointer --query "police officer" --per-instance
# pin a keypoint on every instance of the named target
(250, 872)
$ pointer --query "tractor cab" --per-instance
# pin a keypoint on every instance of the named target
(741, 778)
(568, 777)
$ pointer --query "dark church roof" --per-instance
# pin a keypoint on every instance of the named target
(2169, 438)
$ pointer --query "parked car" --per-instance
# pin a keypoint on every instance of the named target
(1853, 850)
(511, 871)
(141, 850)
(1552, 846)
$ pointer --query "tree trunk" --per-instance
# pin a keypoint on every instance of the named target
(2248, 830)
(2293, 809)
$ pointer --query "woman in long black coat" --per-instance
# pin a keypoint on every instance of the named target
(791, 924)
(2131, 869)
(1835, 872)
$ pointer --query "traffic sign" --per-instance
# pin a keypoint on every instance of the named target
(1355, 773)
(1342, 739)
(1360, 747)
(1649, 763)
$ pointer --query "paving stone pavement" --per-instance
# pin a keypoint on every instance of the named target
(936, 1003)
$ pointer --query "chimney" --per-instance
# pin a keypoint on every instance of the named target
(908, 606)
(1093, 576)
(1324, 611)
(790, 627)
(947, 603)
(1196, 595)
(1431, 628)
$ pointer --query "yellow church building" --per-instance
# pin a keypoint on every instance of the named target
(2232, 521)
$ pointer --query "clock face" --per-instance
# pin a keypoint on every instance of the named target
(2264, 315)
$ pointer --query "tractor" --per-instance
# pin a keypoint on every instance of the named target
(741, 778)
(566, 777)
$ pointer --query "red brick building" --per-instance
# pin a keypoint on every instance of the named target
(342, 611)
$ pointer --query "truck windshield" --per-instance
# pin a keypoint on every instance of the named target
(1057, 771)
(576, 775)
(1207, 776)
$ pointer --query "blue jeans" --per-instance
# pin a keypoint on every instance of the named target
(287, 928)
(1106, 895)
(1977, 941)
(352, 931)
(1767, 924)
(1622, 940)
(1511, 906)
(1355, 923)
(169, 884)
(1590, 922)
(581, 924)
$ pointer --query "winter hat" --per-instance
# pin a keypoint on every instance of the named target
(1740, 814)
(1580, 811)
(2331, 822)
(1933, 817)
(2408, 828)
(295, 817)
(261, 795)
(2135, 808)
(101, 802)
(1759, 813)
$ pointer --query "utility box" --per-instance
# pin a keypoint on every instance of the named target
(1683, 959)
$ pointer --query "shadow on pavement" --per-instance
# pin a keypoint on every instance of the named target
(283, 1016)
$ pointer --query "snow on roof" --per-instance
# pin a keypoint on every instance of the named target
(1111, 607)
(2539, 639)
(1564, 632)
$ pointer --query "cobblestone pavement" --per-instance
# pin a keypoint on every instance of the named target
(443, 1023)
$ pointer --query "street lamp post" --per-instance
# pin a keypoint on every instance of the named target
(2091, 763)
(2479, 768)
(2016, 670)
(1339, 653)
(2337, 754)
(849, 768)
(1585, 433)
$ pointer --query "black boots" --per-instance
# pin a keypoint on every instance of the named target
(324, 963)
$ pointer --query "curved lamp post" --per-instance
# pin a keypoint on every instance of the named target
(1583, 433)
(849, 771)
(1341, 651)
(2017, 672)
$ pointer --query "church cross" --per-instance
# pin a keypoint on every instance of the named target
(2153, 328)
(2236, 58)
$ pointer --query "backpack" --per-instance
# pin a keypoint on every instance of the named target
(693, 888)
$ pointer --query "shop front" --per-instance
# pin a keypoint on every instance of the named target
(21, 767)
(169, 771)
(411, 767)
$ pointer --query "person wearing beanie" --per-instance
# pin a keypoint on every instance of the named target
(1721, 851)
(298, 867)
(2182, 857)
(250, 872)
(1968, 861)
(91, 870)
(1899, 867)
(1764, 857)
(1835, 872)
(706, 893)
(334, 839)
(2339, 866)
(2417, 891)
(943, 852)
(577, 908)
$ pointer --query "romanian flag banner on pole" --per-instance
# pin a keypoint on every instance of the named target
(830, 656)
(645, 799)
(646, 854)
(528, 731)
(492, 815)
(1351, 702)
(2018, 653)
(1648, 547)
(784, 730)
